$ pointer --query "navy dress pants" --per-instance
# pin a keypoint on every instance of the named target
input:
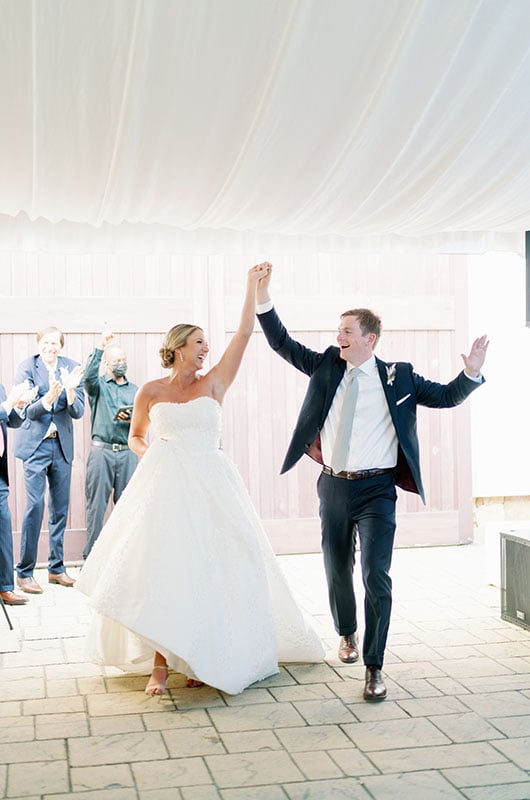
(365, 508)
(6, 541)
(47, 464)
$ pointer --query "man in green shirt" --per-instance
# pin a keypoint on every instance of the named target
(110, 463)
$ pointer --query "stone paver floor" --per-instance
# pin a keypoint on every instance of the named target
(456, 723)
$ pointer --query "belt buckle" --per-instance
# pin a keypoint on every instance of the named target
(116, 447)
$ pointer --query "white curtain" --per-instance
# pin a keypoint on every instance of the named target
(251, 125)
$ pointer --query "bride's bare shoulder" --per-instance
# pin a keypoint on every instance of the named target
(153, 389)
(150, 386)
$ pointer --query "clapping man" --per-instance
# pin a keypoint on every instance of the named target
(45, 443)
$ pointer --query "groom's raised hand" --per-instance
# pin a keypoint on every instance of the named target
(477, 355)
(262, 295)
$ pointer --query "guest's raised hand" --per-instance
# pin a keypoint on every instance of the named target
(28, 396)
(21, 394)
(71, 380)
(106, 338)
(53, 392)
(474, 361)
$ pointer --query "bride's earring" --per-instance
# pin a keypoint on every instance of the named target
(181, 356)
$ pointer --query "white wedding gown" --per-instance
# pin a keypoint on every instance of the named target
(183, 566)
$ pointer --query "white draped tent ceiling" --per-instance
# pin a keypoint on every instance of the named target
(222, 124)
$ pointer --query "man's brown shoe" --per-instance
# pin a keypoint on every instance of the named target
(29, 585)
(374, 687)
(349, 648)
(13, 599)
(61, 578)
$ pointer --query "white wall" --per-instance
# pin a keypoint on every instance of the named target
(500, 417)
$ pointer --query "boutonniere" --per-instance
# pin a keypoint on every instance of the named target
(390, 374)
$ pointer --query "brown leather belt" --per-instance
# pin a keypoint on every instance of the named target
(356, 476)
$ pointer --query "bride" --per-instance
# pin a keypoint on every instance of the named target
(183, 567)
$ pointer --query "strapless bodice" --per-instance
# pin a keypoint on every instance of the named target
(195, 424)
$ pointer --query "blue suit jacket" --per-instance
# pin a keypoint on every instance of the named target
(11, 420)
(37, 420)
(403, 393)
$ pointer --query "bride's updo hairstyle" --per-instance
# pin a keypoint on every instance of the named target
(176, 337)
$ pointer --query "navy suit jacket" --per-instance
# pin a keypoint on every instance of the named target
(11, 420)
(37, 420)
(404, 392)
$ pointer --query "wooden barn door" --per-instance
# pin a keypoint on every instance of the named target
(423, 304)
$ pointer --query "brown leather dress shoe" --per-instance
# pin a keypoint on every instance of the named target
(349, 648)
(374, 687)
(13, 599)
(29, 585)
(61, 578)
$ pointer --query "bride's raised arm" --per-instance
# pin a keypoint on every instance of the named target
(226, 370)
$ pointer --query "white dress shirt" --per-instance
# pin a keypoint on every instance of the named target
(51, 377)
(373, 443)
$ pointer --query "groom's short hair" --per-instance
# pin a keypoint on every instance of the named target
(368, 321)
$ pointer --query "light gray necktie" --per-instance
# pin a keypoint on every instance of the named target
(339, 457)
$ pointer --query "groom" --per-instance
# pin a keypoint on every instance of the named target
(358, 420)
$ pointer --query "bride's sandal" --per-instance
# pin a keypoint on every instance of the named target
(191, 683)
(156, 688)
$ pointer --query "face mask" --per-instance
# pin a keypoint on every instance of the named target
(120, 369)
